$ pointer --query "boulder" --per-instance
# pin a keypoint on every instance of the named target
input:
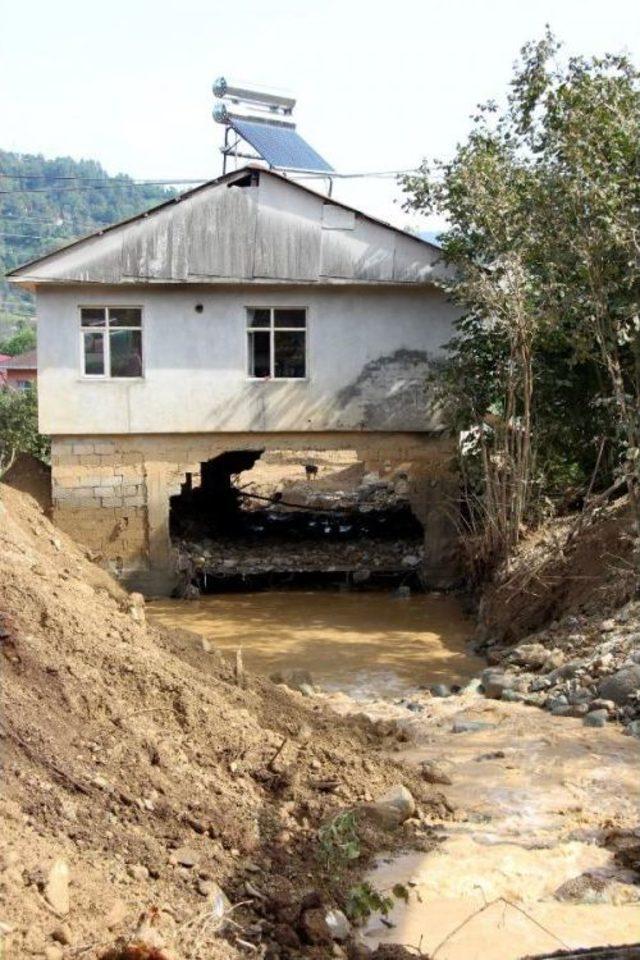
(621, 686)
(391, 809)
(433, 773)
(583, 889)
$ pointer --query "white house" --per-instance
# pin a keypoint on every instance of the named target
(249, 312)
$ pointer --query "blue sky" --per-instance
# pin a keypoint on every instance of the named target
(379, 85)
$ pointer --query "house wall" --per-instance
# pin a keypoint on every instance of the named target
(369, 353)
(112, 492)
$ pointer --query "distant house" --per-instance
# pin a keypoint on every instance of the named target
(249, 314)
(3, 376)
(20, 371)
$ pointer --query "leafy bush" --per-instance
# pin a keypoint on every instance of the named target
(19, 427)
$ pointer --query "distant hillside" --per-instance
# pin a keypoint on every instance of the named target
(46, 203)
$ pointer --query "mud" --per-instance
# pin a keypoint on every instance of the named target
(365, 645)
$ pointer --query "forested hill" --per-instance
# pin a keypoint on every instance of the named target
(46, 203)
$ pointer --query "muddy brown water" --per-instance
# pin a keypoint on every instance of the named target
(532, 792)
(362, 644)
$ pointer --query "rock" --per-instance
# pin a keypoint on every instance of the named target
(512, 696)
(403, 592)
(137, 871)
(470, 726)
(440, 690)
(300, 680)
(634, 728)
(338, 925)
(597, 718)
(220, 903)
(555, 660)
(184, 856)
(116, 914)
(583, 889)
(531, 655)
(541, 683)
(410, 560)
(314, 926)
(62, 934)
(621, 686)
(432, 773)
(392, 809)
(56, 889)
(607, 626)
(495, 682)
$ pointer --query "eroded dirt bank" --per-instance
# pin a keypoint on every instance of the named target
(143, 781)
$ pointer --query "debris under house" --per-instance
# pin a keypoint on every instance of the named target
(280, 517)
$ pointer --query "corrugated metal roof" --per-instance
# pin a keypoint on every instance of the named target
(22, 361)
(281, 146)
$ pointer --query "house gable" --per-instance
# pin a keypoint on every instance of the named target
(247, 227)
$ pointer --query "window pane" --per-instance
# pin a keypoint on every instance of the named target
(126, 353)
(290, 359)
(92, 316)
(124, 317)
(259, 354)
(290, 318)
(93, 354)
(258, 317)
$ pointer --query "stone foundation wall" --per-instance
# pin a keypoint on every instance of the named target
(112, 493)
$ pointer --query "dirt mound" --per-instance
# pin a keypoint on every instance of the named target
(139, 784)
(563, 569)
(31, 476)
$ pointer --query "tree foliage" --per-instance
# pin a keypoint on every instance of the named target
(23, 339)
(543, 206)
(19, 427)
(46, 203)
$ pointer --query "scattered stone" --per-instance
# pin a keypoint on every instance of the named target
(56, 889)
(470, 726)
(597, 718)
(184, 856)
(338, 925)
(512, 696)
(314, 926)
(495, 682)
(621, 686)
(392, 809)
(137, 871)
(300, 680)
(532, 655)
(433, 773)
(583, 889)
(440, 690)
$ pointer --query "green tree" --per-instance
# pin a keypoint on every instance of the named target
(19, 427)
(543, 206)
(22, 340)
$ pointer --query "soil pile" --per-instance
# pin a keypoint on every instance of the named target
(150, 789)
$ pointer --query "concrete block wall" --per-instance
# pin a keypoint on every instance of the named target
(112, 493)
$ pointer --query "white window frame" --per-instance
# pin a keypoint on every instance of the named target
(107, 340)
(272, 330)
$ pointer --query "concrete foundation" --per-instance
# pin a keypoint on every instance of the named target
(112, 492)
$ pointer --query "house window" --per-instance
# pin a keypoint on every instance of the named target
(277, 342)
(111, 341)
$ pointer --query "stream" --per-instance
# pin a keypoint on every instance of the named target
(532, 792)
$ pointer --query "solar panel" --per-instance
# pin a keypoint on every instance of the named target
(280, 146)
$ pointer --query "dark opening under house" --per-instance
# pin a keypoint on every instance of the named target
(255, 519)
